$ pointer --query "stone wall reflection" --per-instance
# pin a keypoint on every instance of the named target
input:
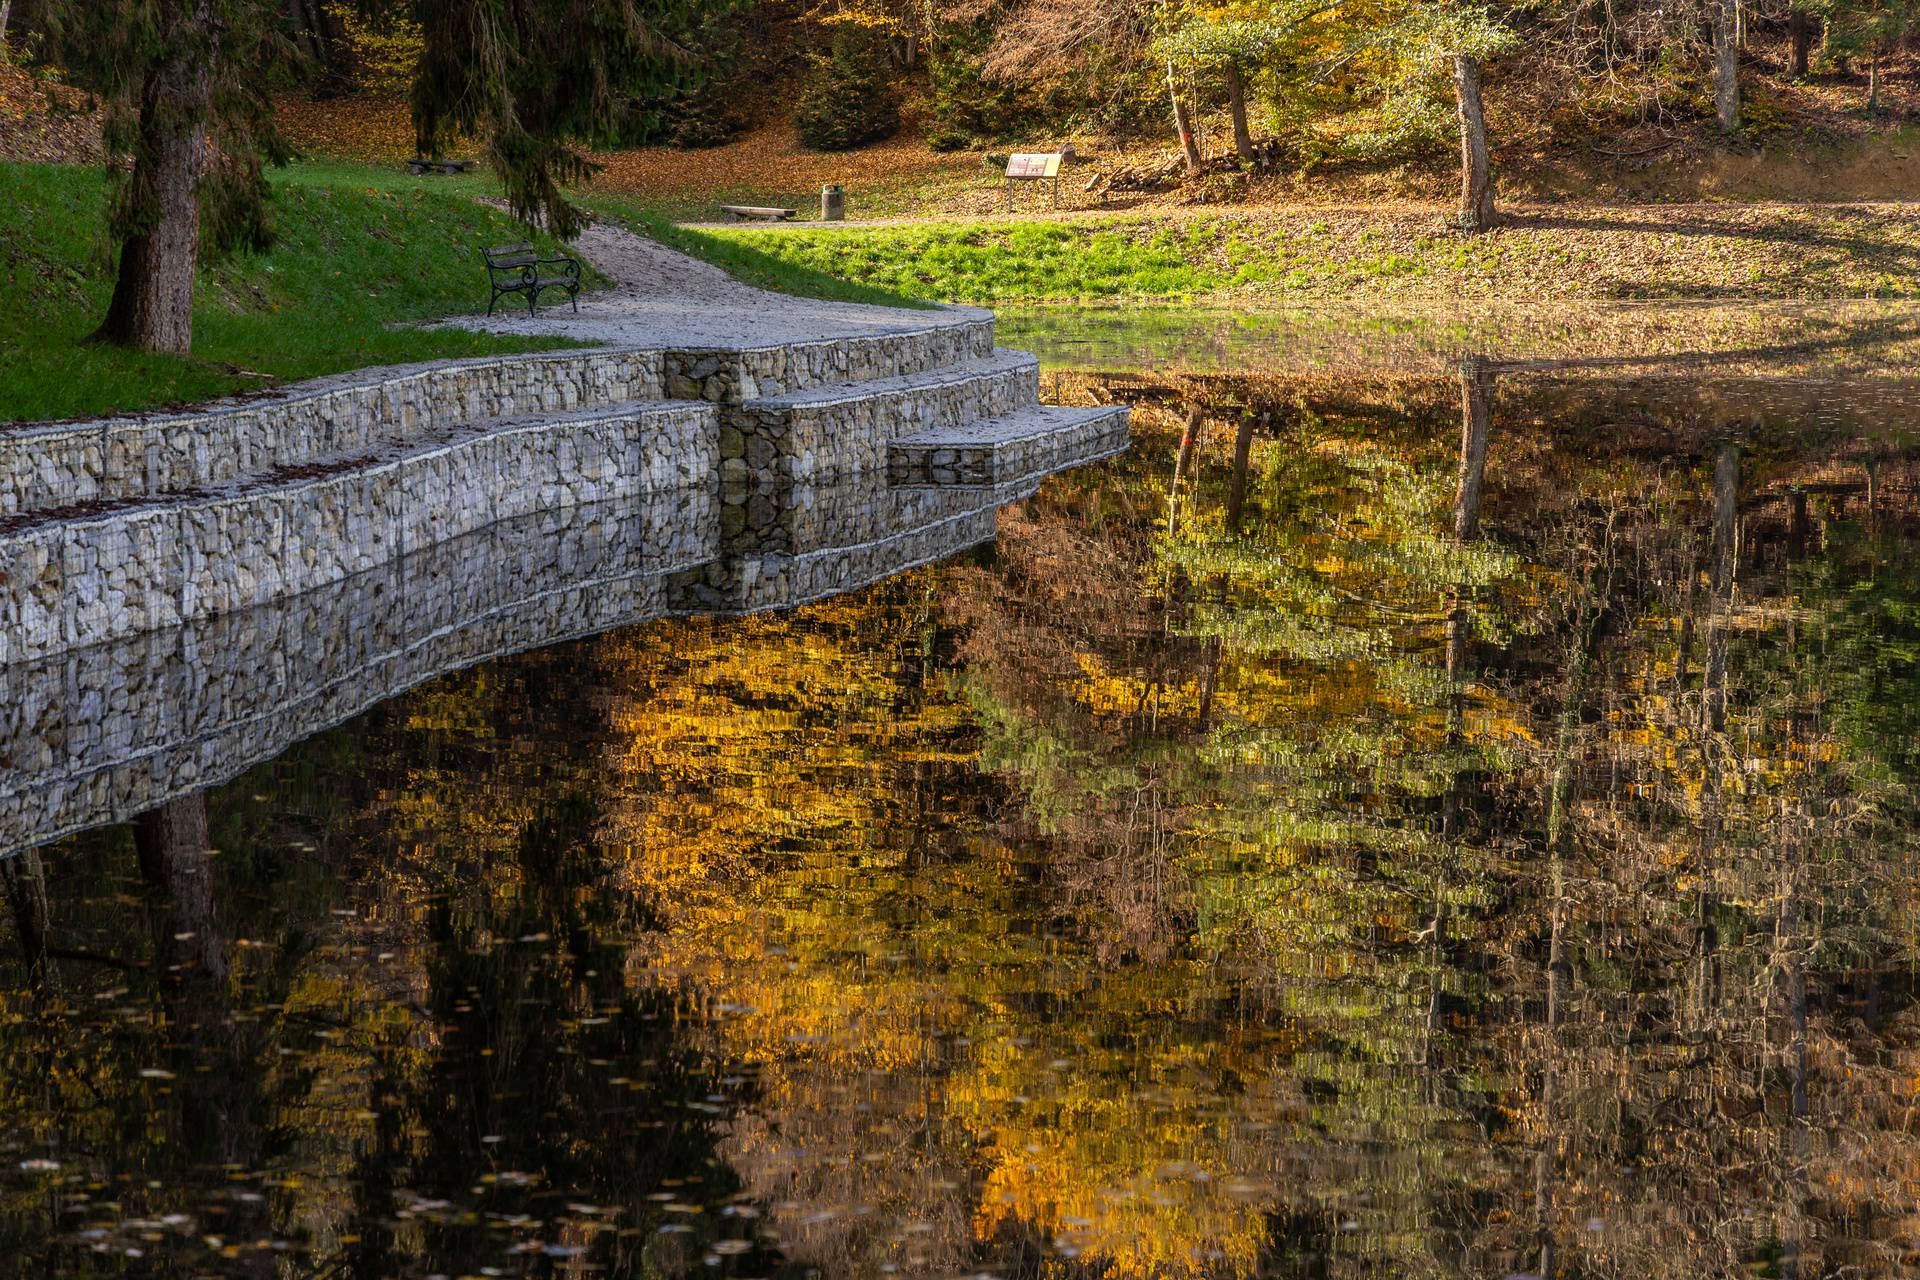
(99, 735)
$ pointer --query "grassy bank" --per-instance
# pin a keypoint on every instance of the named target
(357, 255)
(1705, 251)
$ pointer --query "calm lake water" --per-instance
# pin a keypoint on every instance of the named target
(1411, 816)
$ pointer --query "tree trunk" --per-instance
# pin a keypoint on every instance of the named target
(1183, 124)
(1476, 420)
(23, 882)
(1237, 104)
(1476, 423)
(152, 307)
(1800, 30)
(1726, 563)
(176, 860)
(1242, 453)
(1726, 66)
(6, 11)
(310, 32)
(1476, 180)
(1873, 77)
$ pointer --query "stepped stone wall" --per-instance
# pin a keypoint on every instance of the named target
(53, 466)
(799, 436)
(733, 376)
(121, 527)
(157, 564)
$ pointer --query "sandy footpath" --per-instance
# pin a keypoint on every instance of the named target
(664, 298)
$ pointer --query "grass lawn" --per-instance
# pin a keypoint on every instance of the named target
(360, 253)
(1281, 255)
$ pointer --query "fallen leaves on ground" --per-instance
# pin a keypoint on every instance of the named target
(43, 122)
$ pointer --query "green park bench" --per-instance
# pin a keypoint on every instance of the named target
(518, 268)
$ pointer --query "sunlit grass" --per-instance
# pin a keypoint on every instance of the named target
(1278, 256)
(968, 262)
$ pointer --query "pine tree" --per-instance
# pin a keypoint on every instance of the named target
(541, 81)
(187, 129)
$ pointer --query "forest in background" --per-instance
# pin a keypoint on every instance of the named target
(1212, 100)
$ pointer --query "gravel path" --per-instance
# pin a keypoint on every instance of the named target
(667, 299)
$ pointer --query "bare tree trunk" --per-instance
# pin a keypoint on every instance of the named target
(1183, 124)
(310, 30)
(1726, 65)
(23, 882)
(6, 11)
(176, 859)
(1873, 76)
(1799, 41)
(152, 307)
(1726, 551)
(1476, 420)
(1242, 452)
(1476, 180)
(1237, 104)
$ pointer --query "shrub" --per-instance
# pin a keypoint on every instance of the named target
(848, 98)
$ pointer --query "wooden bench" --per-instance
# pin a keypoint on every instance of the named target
(518, 268)
(421, 165)
(742, 212)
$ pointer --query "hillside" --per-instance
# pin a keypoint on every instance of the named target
(352, 266)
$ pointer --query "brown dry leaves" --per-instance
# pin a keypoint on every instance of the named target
(770, 157)
(46, 123)
(366, 127)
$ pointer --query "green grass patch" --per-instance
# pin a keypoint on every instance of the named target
(359, 255)
(959, 261)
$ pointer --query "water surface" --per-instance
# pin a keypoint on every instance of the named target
(1439, 817)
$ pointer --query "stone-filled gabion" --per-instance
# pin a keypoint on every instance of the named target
(140, 525)
(139, 567)
(98, 734)
(731, 376)
(847, 428)
(57, 465)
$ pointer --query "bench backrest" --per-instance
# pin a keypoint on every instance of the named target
(517, 261)
(1035, 164)
(509, 255)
